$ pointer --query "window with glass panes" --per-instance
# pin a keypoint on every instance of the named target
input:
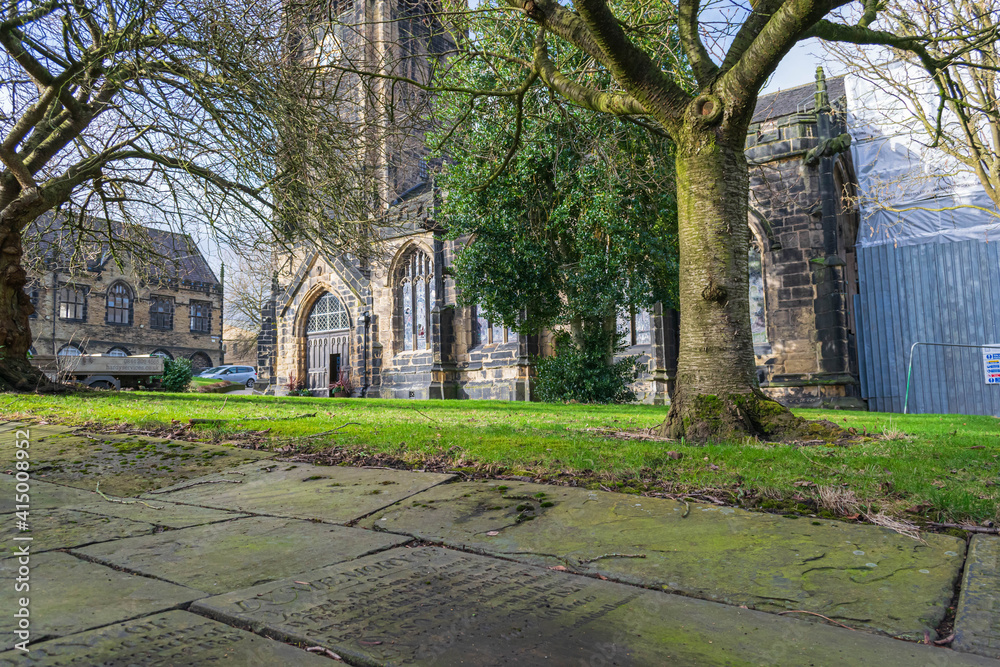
(487, 332)
(415, 285)
(161, 313)
(201, 316)
(119, 304)
(72, 303)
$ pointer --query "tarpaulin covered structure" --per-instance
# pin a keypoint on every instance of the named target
(928, 252)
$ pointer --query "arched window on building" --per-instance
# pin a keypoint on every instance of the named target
(199, 362)
(327, 314)
(415, 290)
(635, 326)
(118, 352)
(758, 310)
(163, 354)
(119, 309)
(70, 350)
(487, 332)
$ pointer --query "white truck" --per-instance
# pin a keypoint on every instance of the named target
(101, 371)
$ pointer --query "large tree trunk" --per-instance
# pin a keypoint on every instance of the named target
(15, 332)
(717, 394)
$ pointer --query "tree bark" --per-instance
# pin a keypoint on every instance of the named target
(16, 373)
(717, 394)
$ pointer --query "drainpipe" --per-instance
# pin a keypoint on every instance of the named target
(222, 314)
(55, 307)
(364, 356)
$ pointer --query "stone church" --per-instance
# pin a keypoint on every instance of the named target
(393, 328)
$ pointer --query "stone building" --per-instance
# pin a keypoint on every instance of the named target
(803, 265)
(85, 303)
(394, 328)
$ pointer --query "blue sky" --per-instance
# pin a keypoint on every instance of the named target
(799, 66)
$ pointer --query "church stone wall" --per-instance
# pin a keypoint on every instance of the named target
(807, 360)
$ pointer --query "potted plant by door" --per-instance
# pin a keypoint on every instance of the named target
(342, 388)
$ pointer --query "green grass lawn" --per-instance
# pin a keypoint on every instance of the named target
(947, 467)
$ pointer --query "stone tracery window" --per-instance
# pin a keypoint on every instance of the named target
(327, 314)
(415, 287)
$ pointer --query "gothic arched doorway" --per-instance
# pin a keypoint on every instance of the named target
(328, 339)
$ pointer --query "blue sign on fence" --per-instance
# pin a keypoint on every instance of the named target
(991, 364)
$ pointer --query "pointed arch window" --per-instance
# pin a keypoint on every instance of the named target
(327, 314)
(119, 309)
(415, 288)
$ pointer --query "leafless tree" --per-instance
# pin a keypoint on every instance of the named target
(944, 102)
(123, 113)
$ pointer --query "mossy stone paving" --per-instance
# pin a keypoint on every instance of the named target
(163, 640)
(125, 465)
(223, 557)
(69, 595)
(62, 529)
(862, 576)
(158, 512)
(429, 605)
(977, 618)
(334, 494)
(42, 495)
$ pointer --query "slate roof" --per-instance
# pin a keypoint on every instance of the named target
(793, 100)
(170, 255)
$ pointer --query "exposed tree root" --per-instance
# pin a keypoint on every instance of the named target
(705, 418)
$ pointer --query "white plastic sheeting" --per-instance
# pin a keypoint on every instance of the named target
(910, 193)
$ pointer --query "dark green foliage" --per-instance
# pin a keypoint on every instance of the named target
(176, 374)
(577, 224)
(581, 373)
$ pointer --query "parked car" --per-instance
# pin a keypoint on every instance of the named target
(237, 374)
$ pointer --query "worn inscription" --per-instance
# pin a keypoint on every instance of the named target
(164, 640)
(416, 604)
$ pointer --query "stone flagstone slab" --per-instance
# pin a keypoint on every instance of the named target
(977, 618)
(222, 557)
(163, 640)
(335, 494)
(430, 605)
(160, 513)
(42, 495)
(862, 576)
(62, 529)
(124, 464)
(69, 595)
